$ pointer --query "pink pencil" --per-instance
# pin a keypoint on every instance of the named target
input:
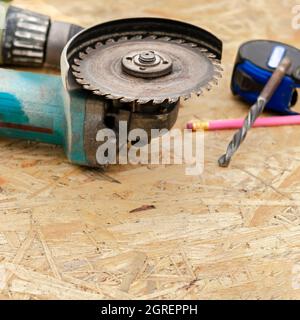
(238, 123)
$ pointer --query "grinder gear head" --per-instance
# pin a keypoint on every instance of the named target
(136, 70)
(131, 71)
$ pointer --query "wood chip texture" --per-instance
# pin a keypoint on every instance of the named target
(69, 233)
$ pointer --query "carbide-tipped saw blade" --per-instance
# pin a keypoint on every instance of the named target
(99, 69)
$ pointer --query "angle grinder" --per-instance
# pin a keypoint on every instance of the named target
(133, 70)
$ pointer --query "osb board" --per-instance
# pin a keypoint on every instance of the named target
(67, 232)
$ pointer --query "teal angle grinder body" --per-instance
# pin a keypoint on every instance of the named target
(97, 89)
(34, 107)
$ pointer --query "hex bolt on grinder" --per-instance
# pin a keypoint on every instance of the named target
(31, 39)
(133, 70)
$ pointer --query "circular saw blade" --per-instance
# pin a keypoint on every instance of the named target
(99, 69)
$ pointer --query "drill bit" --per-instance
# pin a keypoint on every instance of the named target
(256, 110)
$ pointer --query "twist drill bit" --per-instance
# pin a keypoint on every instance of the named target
(256, 110)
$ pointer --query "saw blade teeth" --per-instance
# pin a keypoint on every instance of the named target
(186, 97)
(92, 85)
(77, 75)
(127, 99)
(88, 87)
(218, 74)
(98, 93)
(164, 38)
(151, 37)
(77, 61)
(76, 67)
(143, 101)
(98, 45)
(81, 81)
(216, 62)
(159, 100)
(89, 50)
(178, 41)
(124, 38)
(82, 55)
(109, 41)
(190, 44)
(112, 97)
(137, 37)
(218, 67)
(199, 93)
(208, 87)
(211, 55)
(215, 81)
(173, 100)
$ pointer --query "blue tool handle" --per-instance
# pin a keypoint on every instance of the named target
(31, 107)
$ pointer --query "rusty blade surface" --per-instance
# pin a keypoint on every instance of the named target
(99, 69)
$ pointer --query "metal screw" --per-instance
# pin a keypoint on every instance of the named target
(148, 57)
(147, 64)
